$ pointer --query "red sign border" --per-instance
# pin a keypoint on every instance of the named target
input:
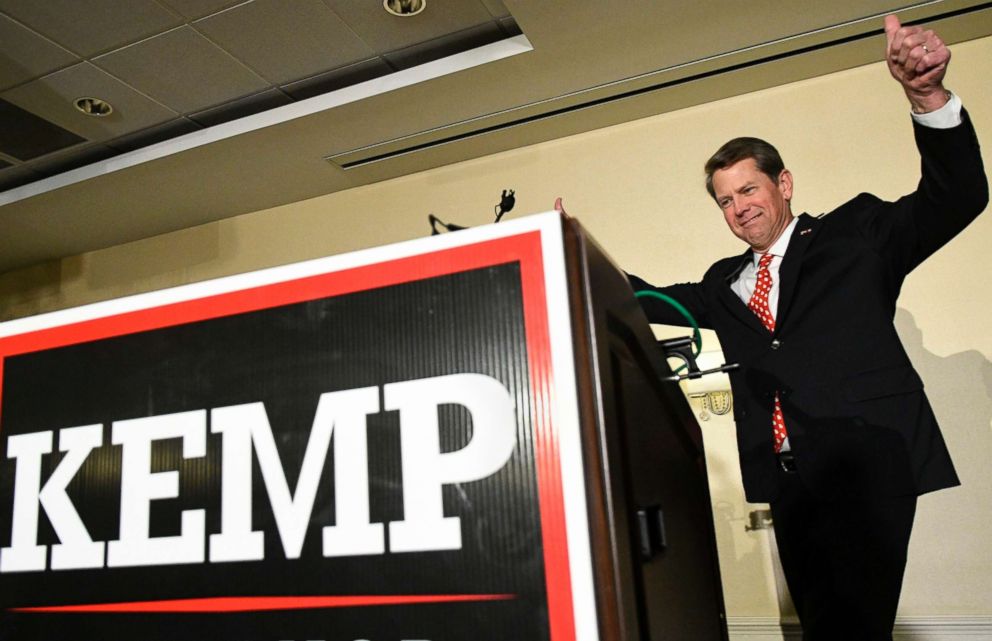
(524, 248)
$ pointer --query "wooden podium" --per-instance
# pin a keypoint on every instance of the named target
(457, 437)
(651, 524)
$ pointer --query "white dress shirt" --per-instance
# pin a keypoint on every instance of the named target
(944, 118)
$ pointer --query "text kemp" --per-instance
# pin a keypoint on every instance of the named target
(245, 429)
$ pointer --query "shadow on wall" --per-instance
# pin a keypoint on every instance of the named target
(948, 554)
(960, 389)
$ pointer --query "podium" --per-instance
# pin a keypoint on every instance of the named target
(457, 437)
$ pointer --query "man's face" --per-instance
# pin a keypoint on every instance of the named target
(755, 208)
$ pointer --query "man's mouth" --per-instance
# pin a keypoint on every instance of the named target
(749, 220)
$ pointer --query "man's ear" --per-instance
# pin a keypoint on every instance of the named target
(785, 184)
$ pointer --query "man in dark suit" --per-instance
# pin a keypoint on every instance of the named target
(834, 429)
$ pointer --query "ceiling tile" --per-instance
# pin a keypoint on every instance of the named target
(151, 135)
(384, 32)
(338, 79)
(52, 97)
(183, 70)
(240, 108)
(283, 45)
(27, 55)
(88, 27)
(194, 9)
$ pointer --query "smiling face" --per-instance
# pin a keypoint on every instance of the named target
(755, 207)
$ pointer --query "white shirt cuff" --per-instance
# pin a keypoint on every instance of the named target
(946, 117)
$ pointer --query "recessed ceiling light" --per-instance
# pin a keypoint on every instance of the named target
(404, 8)
(94, 107)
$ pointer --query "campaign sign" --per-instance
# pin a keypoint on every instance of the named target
(381, 446)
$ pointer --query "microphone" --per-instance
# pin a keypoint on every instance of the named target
(506, 202)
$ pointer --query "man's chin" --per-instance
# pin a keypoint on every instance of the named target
(752, 239)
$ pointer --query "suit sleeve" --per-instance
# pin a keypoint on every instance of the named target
(953, 191)
(690, 295)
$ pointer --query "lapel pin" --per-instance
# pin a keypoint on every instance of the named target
(803, 232)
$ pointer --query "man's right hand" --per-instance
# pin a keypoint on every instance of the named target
(918, 59)
(560, 207)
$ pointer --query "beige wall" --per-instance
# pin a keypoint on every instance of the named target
(637, 188)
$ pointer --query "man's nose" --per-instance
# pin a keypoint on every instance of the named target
(740, 206)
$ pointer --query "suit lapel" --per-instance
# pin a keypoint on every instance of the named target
(731, 301)
(802, 235)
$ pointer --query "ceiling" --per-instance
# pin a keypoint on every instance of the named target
(222, 108)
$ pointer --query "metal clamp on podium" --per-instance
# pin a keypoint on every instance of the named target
(682, 348)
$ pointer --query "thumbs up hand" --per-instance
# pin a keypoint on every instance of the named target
(918, 59)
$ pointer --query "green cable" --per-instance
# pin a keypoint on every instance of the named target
(697, 339)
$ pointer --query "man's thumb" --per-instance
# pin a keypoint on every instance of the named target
(891, 26)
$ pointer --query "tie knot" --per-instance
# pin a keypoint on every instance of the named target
(765, 261)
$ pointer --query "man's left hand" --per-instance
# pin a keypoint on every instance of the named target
(918, 59)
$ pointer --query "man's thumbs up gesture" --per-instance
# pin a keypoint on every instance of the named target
(918, 59)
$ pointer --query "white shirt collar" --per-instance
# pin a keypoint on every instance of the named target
(779, 246)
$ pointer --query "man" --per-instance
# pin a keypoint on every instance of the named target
(834, 429)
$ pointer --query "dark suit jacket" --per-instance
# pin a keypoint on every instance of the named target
(857, 416)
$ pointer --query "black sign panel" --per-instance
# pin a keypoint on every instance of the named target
(347, 456)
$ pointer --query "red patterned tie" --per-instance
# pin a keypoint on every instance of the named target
(759, 305)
